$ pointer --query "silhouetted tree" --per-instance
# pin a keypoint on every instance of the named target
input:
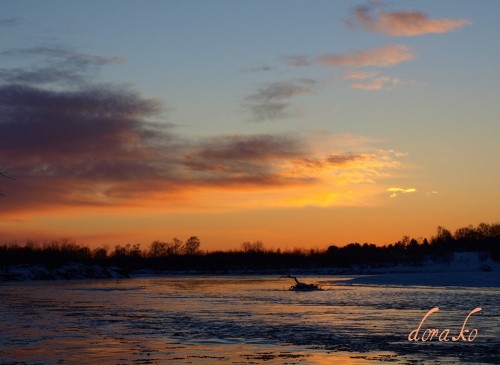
(256, 246)
(176, 255)
(175, 247)
(158, 249)
(100, 253)
(192, 245)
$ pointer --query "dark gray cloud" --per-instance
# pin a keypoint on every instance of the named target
(105, 146)
(69, 139)
(60, 144)
(35, 120)
(243, 157)
(343, 159)
(273, 101)
(333, 160)
(102, 145)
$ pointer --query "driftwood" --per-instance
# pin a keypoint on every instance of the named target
(300, 286)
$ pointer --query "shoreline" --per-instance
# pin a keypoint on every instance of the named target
(466, 270)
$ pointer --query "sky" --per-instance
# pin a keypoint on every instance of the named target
(296, 123)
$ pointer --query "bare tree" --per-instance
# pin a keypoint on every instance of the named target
(256, 246)
(158, 249)
(3, 173)
(192, 246)
(175, 247)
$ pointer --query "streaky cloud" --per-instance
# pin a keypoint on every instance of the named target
(385, 56)
(359, 75)
(244, 157)
(257, 69)
(370, 81)
(390, 55)
(398, 191)
(65, 54)
(54, 66)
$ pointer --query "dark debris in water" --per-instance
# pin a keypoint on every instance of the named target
(265, 356)
(379, 357)
(220, 358)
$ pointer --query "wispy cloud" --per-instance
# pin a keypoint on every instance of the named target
(360, 75)
(273, 101)
(263, 68)
(298, 61)
(390, 55)
(54, 65)
(398, 191)
(10, 22)
(386, 56)
(371, 81)
(402, 23)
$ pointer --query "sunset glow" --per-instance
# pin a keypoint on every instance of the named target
(321, 123)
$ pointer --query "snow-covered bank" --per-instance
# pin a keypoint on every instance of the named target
(65, 272)
(475, 279)
(465, 269)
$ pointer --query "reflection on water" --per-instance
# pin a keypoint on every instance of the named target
(238, 320)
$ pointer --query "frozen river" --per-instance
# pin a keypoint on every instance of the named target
(241, 320)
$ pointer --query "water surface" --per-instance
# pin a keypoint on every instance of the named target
(239, 320)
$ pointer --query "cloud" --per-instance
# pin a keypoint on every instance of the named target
(272, 101)
(433, 192)
(371, 81)
(402, 23)
(54, 65)
(297, 61)
(398, 191)
(105, 147)
(377, 83)
(65, 145)
(243, 158)
(87, 145)
(386, 56)
(10, 22)
(60, 122)
(258, 69)
(360, 75)
(100, 149)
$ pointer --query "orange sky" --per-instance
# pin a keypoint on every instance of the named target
(364, 124)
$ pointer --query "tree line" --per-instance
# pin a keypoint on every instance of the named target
(178, 255)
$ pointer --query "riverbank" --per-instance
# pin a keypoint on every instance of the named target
(70, 271)
(464, 269)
